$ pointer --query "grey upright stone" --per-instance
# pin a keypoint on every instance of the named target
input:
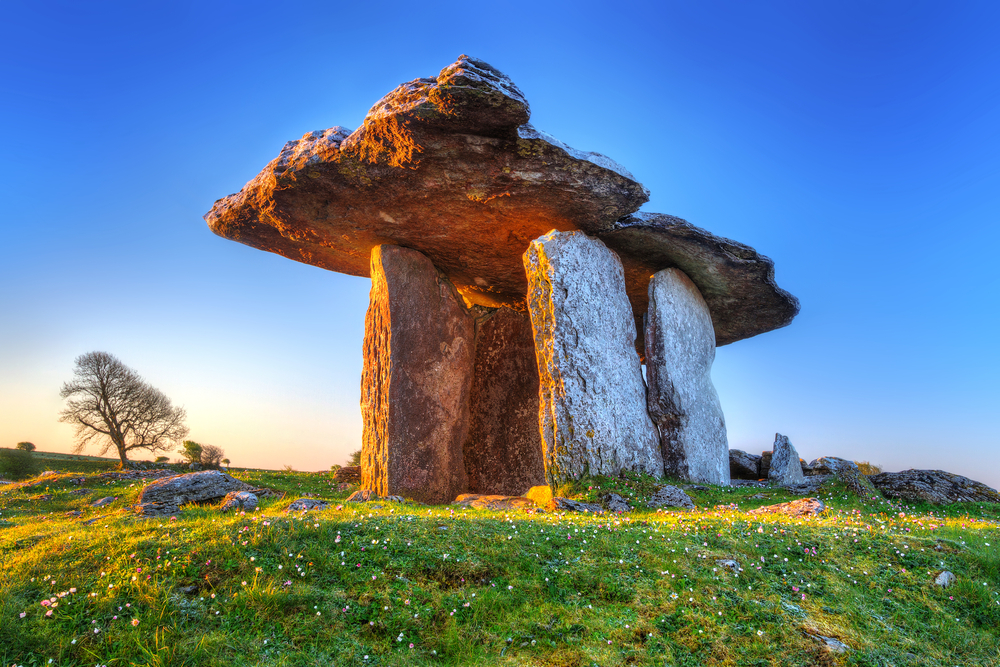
(592, 400)
(680, 349)
(786, 469)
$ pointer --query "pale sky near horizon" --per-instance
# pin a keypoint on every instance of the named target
(857, 144)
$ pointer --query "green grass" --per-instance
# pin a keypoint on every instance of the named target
(472, 587)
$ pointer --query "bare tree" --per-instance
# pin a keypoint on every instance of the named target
(110, 405)
(211, 456)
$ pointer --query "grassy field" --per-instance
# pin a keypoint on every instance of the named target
(402, 584)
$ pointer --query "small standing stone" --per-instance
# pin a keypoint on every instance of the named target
(680, 349)
(670, 496)
(945, 579)
(592, 400)
(616, 504)
(786, 469)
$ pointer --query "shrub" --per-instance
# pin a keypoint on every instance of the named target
(26, 446)
(211, 456)
(867, 468)
(162, 459)
(17, 463)
(191, 452)
(354, 459)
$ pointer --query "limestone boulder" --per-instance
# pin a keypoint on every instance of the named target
(933, 486)
(682, 401)
(194, 487)
(417, 373)
(451, 167)
(785, 470)
(764, 464)
(592, 398)
(848, 473)
(743, 465)
(569, 505)
(307, 504)
(616, 504)
(503, 450)
(239, 501)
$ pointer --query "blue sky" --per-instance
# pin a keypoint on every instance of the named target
(857, 144)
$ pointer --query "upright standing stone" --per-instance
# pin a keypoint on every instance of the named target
(418, 349)
(503, 452)
(592, 413)
(786, 469)
(680, 349)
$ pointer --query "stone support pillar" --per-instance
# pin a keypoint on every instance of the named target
(680, 349)
(418, 357)
(503, 453)
(592, 401)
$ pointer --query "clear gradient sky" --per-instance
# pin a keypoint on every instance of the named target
(855, 143)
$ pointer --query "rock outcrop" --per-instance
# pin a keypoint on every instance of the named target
(418, 360)
(743, 465)
(450, 166)
(592, 399)
(933, 486)
(848, 473)
(503, 451)
(680, 349)
(193, 487)
(785, 469)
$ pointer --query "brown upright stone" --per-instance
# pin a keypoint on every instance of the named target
(503, 453)
(419, 346)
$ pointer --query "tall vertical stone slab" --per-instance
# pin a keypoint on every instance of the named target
(592, 400)
(680, 349)
(418, 356)
(786, 469)
(503, 453)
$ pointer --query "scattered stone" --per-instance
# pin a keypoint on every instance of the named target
(194, 487)
(757, 496)
(44, 497)
(494, 502)
(239, 500)
(395, 499)
(833, 645)
(592, 412)
(307, 504)
(796, 508)
(749, 483)
(362, 496)
(81, 492)
(418, 361)
(670, 496)
(541, 494)
(348, 475)
(616, 504)
(74, 513)
(107, 500)
(785, 468)
(743, 465)
(729, 564)
(566, 504)
(945, 579)
(503, 451)
(680, 350)
(933, 486)
(695, 487)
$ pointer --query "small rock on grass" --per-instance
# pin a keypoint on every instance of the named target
(945, 579)
(239, 500)
(306, 504)
(795, 508)
(832, 644)
(670, 496)
(107, 500)
(616, 503)
(729, 564)
(558, 503)
(81, 492)
(494, 502)
(156, 509)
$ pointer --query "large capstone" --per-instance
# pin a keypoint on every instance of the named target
(503, 452)
(786, 469)
(592, 412)
(418, 356)
(680, 349)
(450, 166)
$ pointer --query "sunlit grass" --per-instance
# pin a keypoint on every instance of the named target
(395, 584)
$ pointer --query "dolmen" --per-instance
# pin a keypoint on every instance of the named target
(516, 293)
